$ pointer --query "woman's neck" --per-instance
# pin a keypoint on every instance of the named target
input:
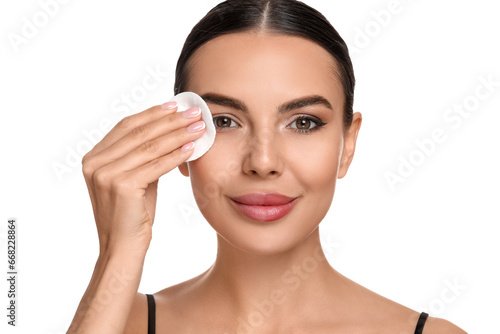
(270, 286)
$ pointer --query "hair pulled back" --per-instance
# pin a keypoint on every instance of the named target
(287, 17)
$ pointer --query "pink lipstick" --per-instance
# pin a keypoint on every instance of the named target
(264, 206)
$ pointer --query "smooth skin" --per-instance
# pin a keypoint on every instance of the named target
(270, 277)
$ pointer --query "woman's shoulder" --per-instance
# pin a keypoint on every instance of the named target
(397, 318)
(400, 316)
(441, 326)
(167, 302)
(164, 304)
(391, 316)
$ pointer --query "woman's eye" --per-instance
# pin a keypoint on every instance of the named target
(223, 122)
(303, 124)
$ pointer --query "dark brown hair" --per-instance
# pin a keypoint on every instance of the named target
(288, 17)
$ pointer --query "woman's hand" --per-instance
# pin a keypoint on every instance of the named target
(122, 172)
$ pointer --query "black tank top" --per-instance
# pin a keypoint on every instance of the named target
(152, 317)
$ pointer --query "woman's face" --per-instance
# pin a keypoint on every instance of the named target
(265, 143)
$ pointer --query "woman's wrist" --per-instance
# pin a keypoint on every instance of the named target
(126, 249)
(123, 255)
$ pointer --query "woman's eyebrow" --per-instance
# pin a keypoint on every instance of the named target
(284, 108)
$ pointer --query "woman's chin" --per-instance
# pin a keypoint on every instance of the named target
(262, 242)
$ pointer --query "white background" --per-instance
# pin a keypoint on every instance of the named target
(408, 243)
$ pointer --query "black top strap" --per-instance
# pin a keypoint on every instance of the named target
(151, 314)
(421, 323)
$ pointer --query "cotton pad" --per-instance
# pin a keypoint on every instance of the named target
(188, 100)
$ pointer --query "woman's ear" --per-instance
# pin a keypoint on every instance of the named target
(349, 144)
(183, 168)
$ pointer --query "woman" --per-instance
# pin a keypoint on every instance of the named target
(279, 83)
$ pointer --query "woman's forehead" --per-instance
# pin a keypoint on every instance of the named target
(258, 63)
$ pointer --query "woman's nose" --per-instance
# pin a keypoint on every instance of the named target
(262, 153)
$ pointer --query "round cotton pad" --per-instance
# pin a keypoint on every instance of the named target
(188, 100)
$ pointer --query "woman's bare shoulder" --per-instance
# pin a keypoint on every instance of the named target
(395, 317)
(441, 326)
(138, 318)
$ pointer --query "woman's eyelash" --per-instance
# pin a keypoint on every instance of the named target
(309, 119)
(226, 119)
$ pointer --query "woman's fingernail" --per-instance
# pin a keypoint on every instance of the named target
(191, 112)
(187, 147)
(196, 126)
(169, 105)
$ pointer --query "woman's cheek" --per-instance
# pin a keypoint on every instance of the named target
(213, 171)
(314, 160)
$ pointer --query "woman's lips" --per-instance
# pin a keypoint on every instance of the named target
(264, 212)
